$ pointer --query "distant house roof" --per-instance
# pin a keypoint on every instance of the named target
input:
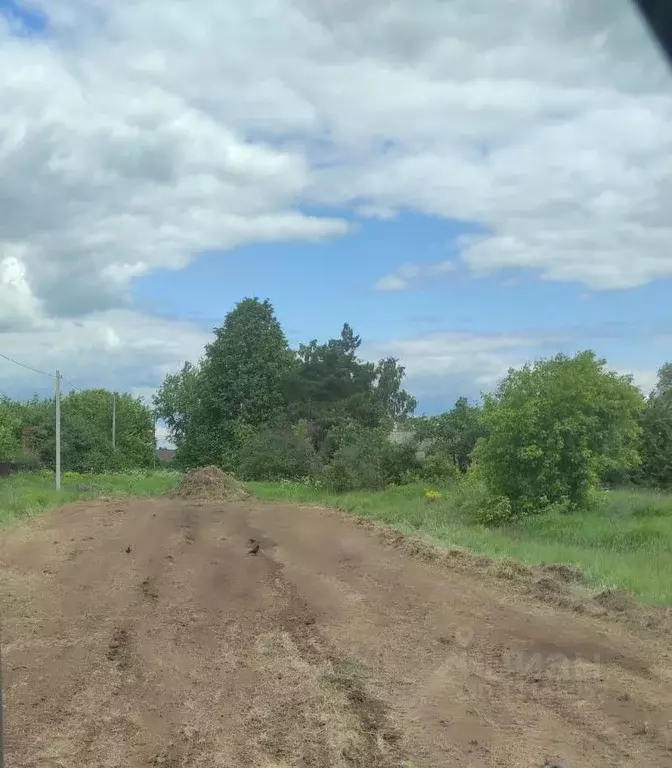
(165, 454)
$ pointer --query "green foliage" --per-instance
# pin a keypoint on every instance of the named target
(276, 453)
(241, 380)
(471, 499)
(453, 434)
(82, 449)
(555, 428)
(332, 387)
(400, 461)
(251, 394)
(86, 432)
(656, 423)
(366, 458)
(356, 462)
(10, 425)
(437, 467)
(550, 434)
(394, 402)
(177, 403)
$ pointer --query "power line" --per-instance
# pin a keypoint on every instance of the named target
(69, 383)
(27, 367)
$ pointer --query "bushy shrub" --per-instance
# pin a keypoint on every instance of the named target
(554, 428)
(277, 453)
(357, 462)
(361, 458)
(400, 464)
(470, 497)
(438, 468)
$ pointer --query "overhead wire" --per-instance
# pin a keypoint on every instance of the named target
(27, 367)
(69, 383)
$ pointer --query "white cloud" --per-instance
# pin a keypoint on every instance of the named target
(109, 166)
(440, 367)
(410, 275)
(645, 379)
(18, 307)
(447, 365)
(115, 349)
(391, 283)
(132, 140)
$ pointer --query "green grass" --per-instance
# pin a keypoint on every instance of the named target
(623, 541)
(24, 495)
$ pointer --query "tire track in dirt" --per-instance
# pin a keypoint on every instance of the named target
(327, 648)
(601, 693)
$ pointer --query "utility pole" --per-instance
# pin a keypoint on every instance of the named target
(114, 423)
(58, 433)
(156, 446)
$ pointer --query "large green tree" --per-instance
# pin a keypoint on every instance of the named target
(396, 403)
(177, 403)
(656, 424)
(333, 386)
(555, 427)
(241, 382)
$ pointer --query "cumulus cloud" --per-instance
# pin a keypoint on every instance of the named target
(132, 140)
(643, 378)
(546, 123)
(115, 349)
(123, 151)
(442, 366)
(110, 167)
(19, 309)
(411, 275)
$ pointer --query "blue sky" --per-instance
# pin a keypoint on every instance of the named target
(25, 20)
(467, 191)
(317, 287)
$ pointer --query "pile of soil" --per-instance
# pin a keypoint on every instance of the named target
(210, 484)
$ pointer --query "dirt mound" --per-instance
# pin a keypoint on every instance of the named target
(569, 574)
(616, 600)
(210, 484)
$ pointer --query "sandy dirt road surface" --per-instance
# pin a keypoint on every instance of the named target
(327, 648)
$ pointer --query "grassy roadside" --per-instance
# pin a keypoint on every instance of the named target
(624, 541)
(23, 495)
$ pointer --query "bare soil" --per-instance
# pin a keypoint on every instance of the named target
(334, 645)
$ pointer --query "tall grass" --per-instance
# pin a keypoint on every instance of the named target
(23, 495)
(624, 540)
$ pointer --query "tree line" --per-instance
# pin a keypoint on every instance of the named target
(264, 411)
(552, 432)
(28, 433)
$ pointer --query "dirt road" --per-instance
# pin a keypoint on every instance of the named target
(327, 648)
